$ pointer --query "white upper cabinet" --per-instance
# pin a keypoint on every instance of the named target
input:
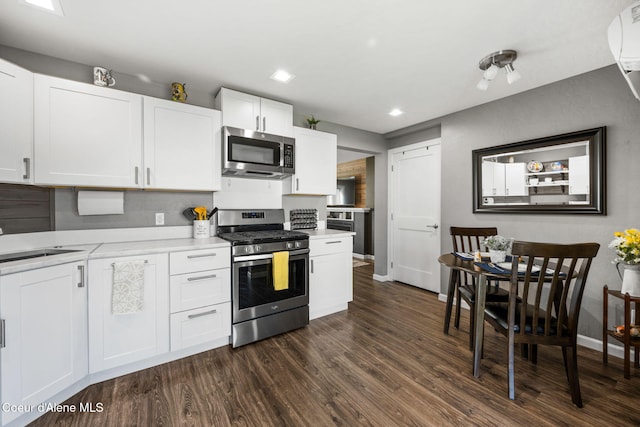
(315, 163)
(16, 124)
(493, 179)
(515, 179)
(181, 146)
(579, 175)
(245, 111)
(86, 135)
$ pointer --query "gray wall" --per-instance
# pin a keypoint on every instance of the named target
(590, 100)
(375, 145)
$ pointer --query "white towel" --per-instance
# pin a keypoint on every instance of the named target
(127, 295)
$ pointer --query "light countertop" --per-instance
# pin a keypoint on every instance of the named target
(338, 209)
(108, 250)
(327, 233)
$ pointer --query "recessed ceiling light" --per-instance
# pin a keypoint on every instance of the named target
(395, 112)
(52, 6)
(282, 76)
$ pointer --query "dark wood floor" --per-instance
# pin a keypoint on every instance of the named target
(384, 362)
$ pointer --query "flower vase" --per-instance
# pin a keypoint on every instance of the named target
(630, 279)
(497, 256)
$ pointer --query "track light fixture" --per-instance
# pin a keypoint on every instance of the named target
(492, 63)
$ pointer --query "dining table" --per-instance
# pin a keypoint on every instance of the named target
(459, 264)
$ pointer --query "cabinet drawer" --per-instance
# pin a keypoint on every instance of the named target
(330, 246)
(199, 260)
(200, 325)
(199, 289)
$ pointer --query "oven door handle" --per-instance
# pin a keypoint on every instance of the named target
(267, 256)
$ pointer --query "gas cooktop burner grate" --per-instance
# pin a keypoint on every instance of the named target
(264, 236)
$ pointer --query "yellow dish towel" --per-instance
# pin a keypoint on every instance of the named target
(280, 270)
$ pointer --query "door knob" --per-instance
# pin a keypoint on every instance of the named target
(433, 226)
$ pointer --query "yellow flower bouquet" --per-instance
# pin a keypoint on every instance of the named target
(627, 246)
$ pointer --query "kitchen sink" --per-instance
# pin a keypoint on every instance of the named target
(37, 253)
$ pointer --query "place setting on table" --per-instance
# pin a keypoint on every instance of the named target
(498, 259)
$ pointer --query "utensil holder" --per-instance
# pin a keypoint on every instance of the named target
(201, 229)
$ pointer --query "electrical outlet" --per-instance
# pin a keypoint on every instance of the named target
(160, 218)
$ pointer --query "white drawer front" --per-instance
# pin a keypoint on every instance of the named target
(199, 289)
(330, 246)
(201, 325)
(199, 260)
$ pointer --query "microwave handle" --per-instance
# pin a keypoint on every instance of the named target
(257, 122)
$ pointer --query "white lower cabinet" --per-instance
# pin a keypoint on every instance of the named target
(44, 345)
(331, 275)
(200, 294)
(118, 339)
(200, 325)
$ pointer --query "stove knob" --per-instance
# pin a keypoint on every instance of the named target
(247, 249)
(258, 248)
(289, 245)
(298, 244)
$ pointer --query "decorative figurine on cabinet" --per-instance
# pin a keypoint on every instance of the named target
(178, 92)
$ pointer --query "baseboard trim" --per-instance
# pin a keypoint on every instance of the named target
(380, 278)
(582, 340)
(363, 257)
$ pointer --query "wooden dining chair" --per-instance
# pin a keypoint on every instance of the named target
(551, 283)
(462, 286)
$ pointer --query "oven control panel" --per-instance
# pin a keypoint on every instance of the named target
(264, 248)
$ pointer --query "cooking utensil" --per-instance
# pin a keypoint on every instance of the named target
(189, 214)
(201, 213)
(212, 213)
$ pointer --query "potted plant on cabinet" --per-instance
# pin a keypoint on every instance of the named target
(312, 122)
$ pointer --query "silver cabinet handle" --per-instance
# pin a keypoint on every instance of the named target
(3, 342)
(210, 276)
(264, 124)
(297, 184)
(27, 168)
(148, 176)
(434, 226)
(201, 255)
(204, 313)
(81, 282)
(311, 262)
(257, 122)
(136, 172)
(332, 242)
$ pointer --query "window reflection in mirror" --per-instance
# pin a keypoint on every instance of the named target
(564, 173)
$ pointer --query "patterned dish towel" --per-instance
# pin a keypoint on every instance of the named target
(127, 295)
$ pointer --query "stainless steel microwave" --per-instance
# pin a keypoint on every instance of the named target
(252, 154)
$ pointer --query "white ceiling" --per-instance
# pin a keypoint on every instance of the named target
(354, 60)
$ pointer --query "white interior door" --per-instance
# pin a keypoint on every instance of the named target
(414, 206)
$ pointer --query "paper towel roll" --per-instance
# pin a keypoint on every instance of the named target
(100, 202)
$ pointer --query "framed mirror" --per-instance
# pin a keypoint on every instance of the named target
(556, 174)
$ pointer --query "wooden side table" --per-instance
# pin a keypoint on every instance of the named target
(624, 337)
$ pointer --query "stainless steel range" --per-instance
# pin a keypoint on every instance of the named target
(261, 308)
